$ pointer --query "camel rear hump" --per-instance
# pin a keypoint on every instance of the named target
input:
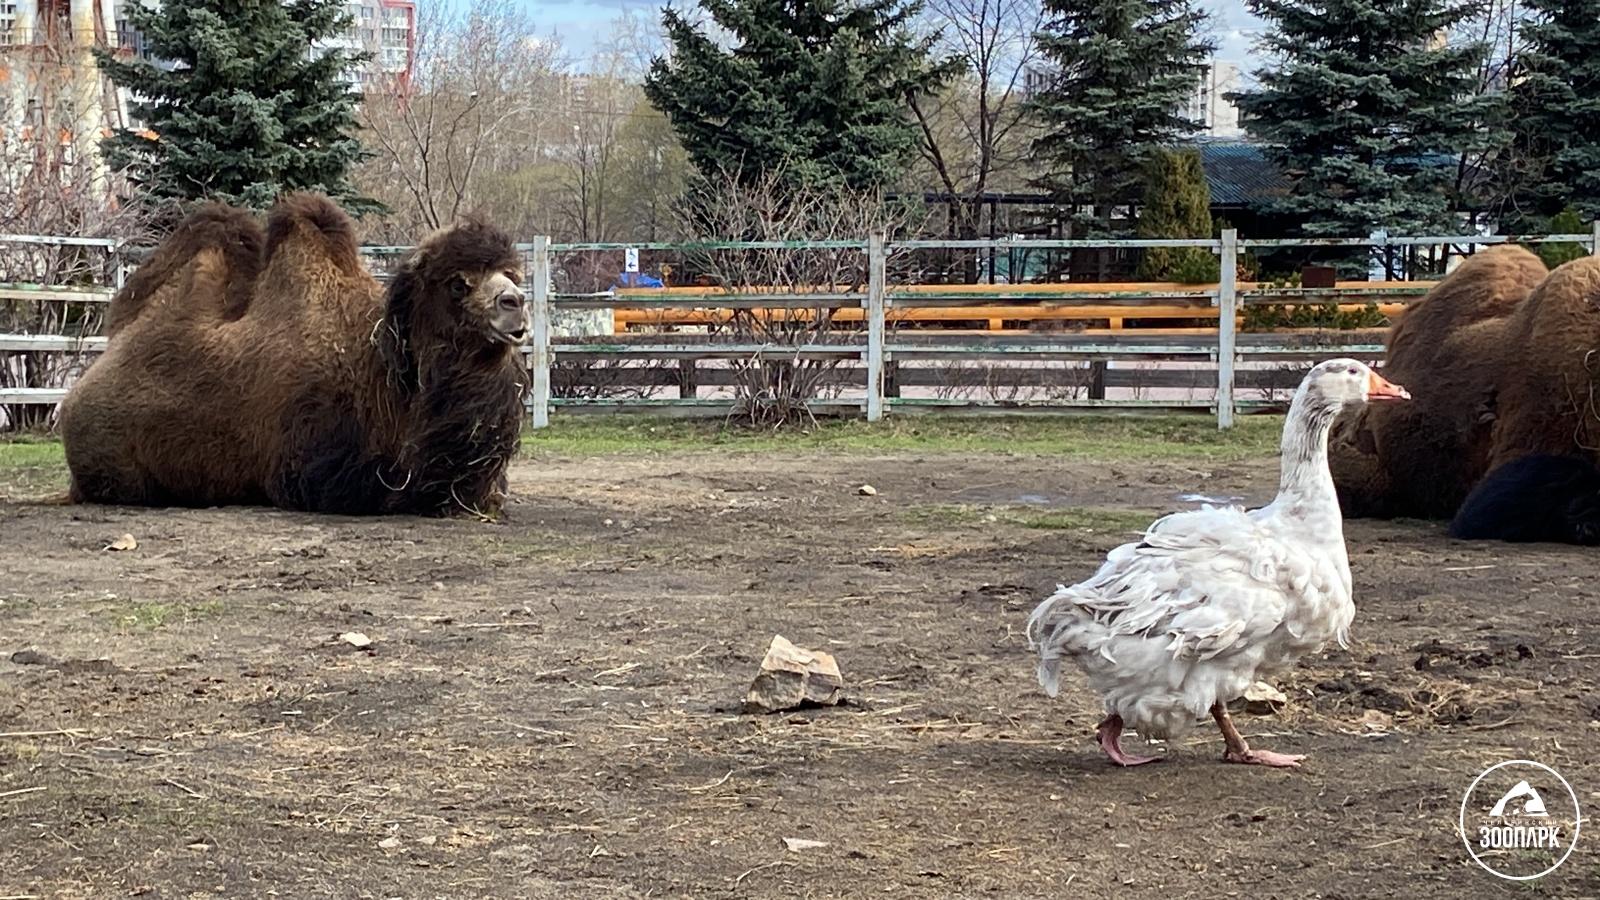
(1549, 387)
(311, 255)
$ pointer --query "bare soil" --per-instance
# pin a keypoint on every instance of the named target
(550, 705)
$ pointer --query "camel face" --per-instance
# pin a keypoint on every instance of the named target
(496, 303)
(459, 290)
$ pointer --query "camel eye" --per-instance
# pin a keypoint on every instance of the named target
(458, 287)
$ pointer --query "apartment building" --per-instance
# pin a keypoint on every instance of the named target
(387, 29)
(55, 105)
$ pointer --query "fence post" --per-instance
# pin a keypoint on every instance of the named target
(541, 331)
(1594, 238)
(877, 272)
(1227, 309)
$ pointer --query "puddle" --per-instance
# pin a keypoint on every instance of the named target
(1214, 501)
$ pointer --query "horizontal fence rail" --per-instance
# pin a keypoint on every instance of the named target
(884, 338)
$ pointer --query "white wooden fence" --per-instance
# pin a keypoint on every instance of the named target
(880, 348)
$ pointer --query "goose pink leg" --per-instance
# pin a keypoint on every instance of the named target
(1239, 752)
(1110, 732)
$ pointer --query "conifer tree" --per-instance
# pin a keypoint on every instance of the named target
(1177, 204)
(1554, 161)
(235, 104)
(816, 90)
(1367, 109)
(1121, 71)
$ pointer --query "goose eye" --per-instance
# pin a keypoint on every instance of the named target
(1351, 371)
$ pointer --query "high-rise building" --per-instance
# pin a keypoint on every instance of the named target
(387, 29)
(54, 104)
(1207, 104)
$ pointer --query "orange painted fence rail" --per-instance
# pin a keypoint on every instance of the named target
(998, 308)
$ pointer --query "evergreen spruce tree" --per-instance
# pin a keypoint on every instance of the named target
(1565, 222)
(1367, 110)
(1554, 161)
(1121, 71)
(1177, 204)
(813, 89)
(240, 108)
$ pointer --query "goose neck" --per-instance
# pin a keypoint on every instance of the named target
(1305, 483)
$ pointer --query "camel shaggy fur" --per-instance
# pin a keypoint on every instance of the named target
(251, 367)
(1543, 498)
(1450, 349)
(1548, 393)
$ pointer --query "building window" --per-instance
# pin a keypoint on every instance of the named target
(8, 23)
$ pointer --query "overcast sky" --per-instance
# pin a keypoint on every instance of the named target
(582, 26)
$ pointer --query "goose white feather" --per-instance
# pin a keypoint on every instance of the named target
(1212, 599)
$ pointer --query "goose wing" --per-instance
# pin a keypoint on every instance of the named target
(1210, 580)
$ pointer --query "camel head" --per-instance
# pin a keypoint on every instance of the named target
(456, 296)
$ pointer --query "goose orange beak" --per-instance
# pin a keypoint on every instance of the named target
(1378, 388)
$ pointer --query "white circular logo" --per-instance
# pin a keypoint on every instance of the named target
(1519, 820)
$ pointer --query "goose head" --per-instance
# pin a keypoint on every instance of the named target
(1341, 383)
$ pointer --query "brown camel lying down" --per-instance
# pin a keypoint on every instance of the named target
(1501, 360)
(1421, 458)
(251, 368)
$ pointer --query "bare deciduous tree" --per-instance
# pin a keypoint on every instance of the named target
(497, 122)
(46, 195)
(773, 391)
(599, 105)
(975, 131)
(481, 80)
(1486, 172)
(625, 165)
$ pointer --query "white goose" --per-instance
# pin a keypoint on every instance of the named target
(1176, 625)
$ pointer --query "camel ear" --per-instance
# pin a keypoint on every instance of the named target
(394, 332)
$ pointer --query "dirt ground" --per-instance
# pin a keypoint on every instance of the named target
(550, 706)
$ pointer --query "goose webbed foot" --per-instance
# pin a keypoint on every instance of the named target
(1110, 733)
(1239, 752)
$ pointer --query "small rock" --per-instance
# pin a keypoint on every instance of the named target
(1260, 699)
(795, 845)
(356, 639)
(389, 843)
(1374, 721)
(792, 678)
(867, 490)
(124, 543)
(428, 840)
